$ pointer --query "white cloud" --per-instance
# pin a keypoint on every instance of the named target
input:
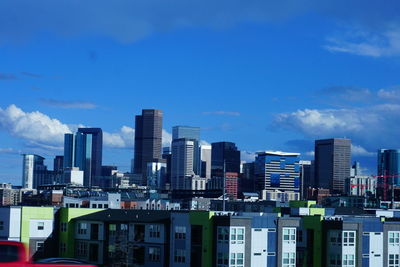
(360, 151)
(310, 153)
(40, 130)
(247, 156)
(68, 104)
(389, 94)
(366, 126)
(364, 43)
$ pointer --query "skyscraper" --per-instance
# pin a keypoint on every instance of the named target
(85, 150)
(332, 163)
(148, 140)
(182, 162)
(388, 172)
(224, 152)
(34, 172)
(190, 133)
(205, 158)
(278, 172)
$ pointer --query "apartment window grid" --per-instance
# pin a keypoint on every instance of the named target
(222, 234)
(180, 255)
(237, 235)
(180, 232)
(63, 227)
(394, 260)
(348, 260)
(289, 235)
(154, 230)
(154, 254)
(335, 260)
(82, 228)
(349, 238)
(222, 260)
(82, 249)
(289, 260)
(237, 260)
(40, 226)
(394, 238)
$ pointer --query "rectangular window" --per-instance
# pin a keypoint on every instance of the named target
(222, 234)
(39, 246)
(180, 255)
(63, 227)
(154, 230)
(40, 226)
(81, 249)
(1, 225)
(349, 238)
(348, 260)
(237, 235)
(394, 260)
(394, 238)
(82, 228)
(237, 260)
(180, 232)
(63, 247)
(289, 260)
(112, 229)
(154, 254)
(222, 260)
(289, 235)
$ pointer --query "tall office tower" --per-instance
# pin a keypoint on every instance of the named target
(182, 161)
(69, 151)
(332, 163)
(355, 169)
(306, 177)
(167, 157)
(205, 158)
(388, 172)
(224, 152)
(34, 172)
(278, 175)
(192, 133)
(58, 165)
(156, 172)
(148, 140)
(85, 150)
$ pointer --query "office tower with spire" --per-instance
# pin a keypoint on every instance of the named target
(148, 140)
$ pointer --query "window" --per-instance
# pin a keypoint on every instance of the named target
(106, 206)
(81, 249)
(394, 238)
(63, 227)
(394, 260)
(124, 227)
(289, 260)
(335, 238)
(39, 246)
(112, 229)
(180, 232)
(222, 260)
(349, 238)
(1, 225)
(63, 247)
(299, 236)
(40, 226)
(154, 254)
(82, 228)
(289, 235)
(179, 255)
(154, 230)
(100, 206)
(348, 260)
(237, 260)
(335, 260)
(237, 235)
(94, 206)
(222, 234)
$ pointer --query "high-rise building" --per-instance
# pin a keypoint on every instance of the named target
(191, 133)
(156, 172)
(167, 157)
(332, 163)
(58, 163)
(278, 175)
(182, 162)
(148, 140)
(306, 177)
(388, 172)
(205, 158)
(224, 153)
(85, 151)
(34, 172)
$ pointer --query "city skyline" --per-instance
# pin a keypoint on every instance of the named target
(262, 75)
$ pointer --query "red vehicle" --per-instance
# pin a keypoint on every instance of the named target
(14, 254)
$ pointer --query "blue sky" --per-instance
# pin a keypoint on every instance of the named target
(266, 75)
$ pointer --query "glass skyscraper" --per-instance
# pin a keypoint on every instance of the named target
(34, 172)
